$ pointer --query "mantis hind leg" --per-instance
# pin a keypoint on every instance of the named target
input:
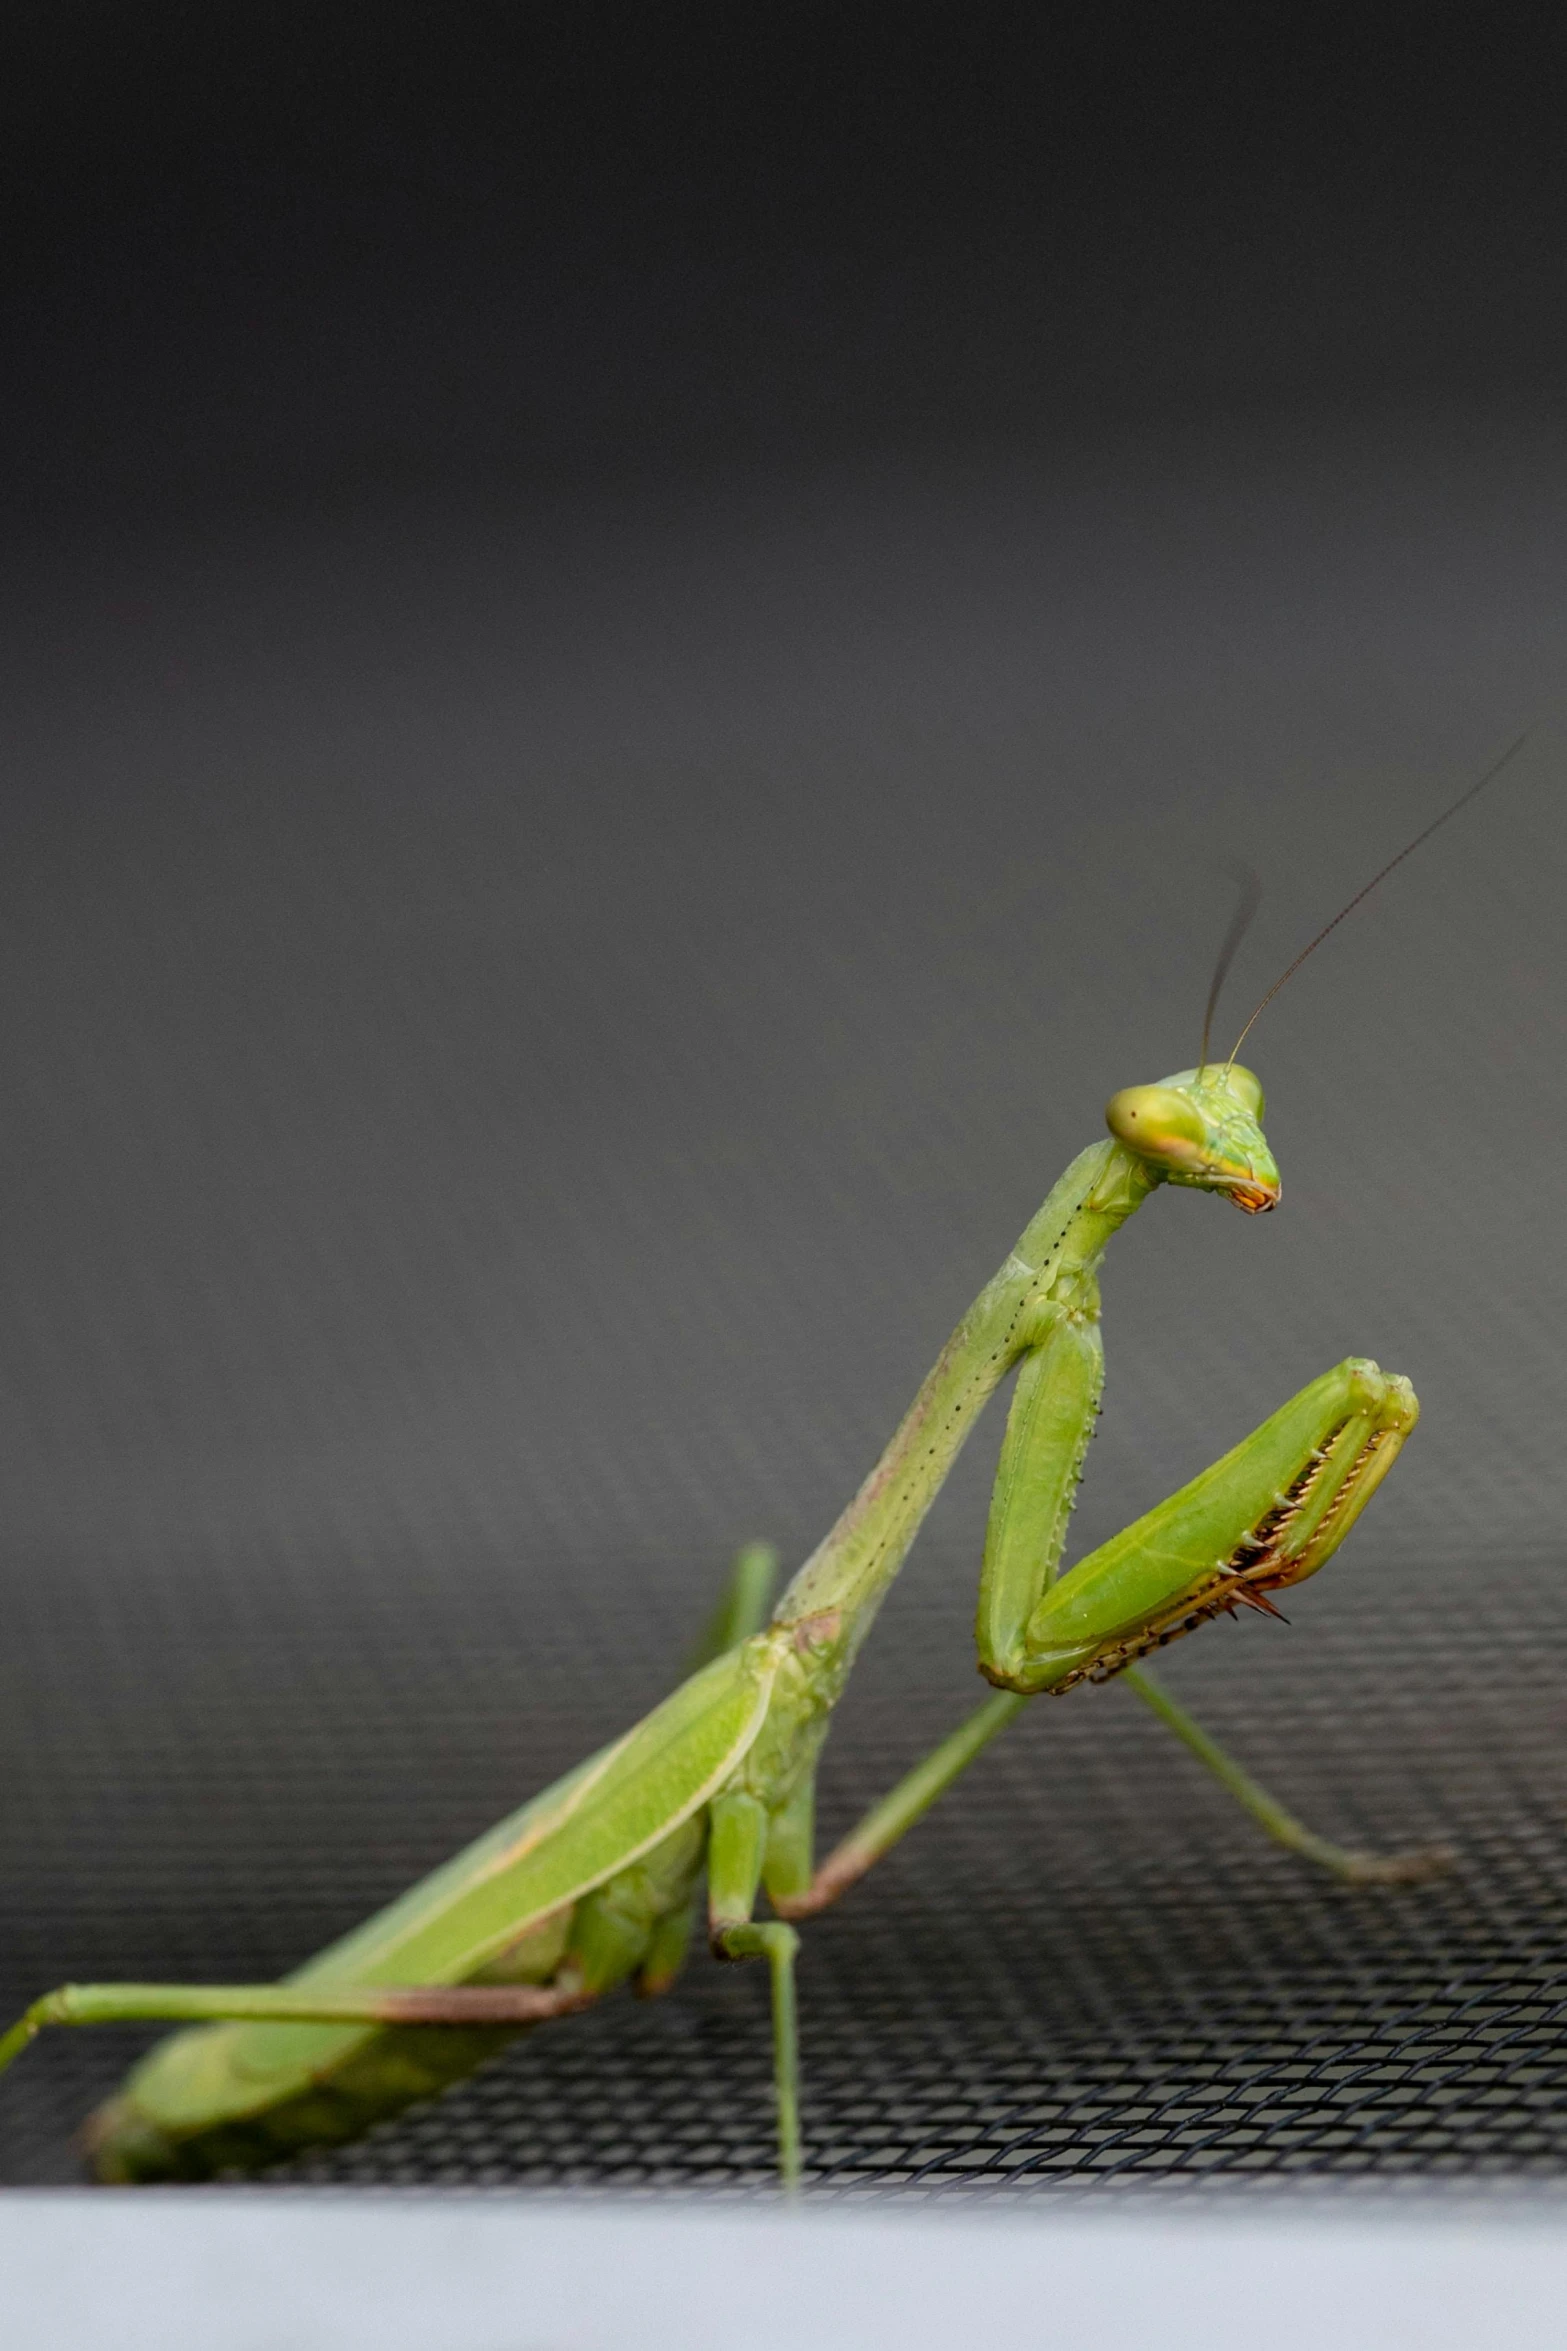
(472, 2005)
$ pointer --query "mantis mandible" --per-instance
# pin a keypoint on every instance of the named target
(596, 1881)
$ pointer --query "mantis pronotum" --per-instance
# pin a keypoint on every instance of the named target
(596, 1881)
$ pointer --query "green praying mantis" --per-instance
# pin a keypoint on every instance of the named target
(596, 1882)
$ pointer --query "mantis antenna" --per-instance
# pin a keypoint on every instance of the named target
(1247, 897)
(1470, 792)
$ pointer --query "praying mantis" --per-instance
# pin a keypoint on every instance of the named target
(597, 1881)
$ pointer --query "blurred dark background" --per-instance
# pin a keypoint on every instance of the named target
(638, 647)
(310, 253)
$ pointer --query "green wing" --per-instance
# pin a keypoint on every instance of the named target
(598, 1819)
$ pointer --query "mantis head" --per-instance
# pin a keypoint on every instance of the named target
(1201, 1127)
(1204, 1126)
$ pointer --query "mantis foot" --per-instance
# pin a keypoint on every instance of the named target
(1398, 1869)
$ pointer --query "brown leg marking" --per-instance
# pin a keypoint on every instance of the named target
(480, 2004)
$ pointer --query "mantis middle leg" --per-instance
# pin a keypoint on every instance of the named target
(737, 1848)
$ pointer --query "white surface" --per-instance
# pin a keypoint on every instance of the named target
(159, 2271)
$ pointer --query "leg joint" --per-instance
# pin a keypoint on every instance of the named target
(770, 1939)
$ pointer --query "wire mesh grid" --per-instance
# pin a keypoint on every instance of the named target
(1085, 1970)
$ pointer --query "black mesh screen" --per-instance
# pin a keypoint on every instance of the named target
(1086, 1964)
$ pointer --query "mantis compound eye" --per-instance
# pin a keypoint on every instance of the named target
(1244, 1084)
(1158, 1124)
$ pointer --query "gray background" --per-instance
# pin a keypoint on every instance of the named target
(547, 950)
